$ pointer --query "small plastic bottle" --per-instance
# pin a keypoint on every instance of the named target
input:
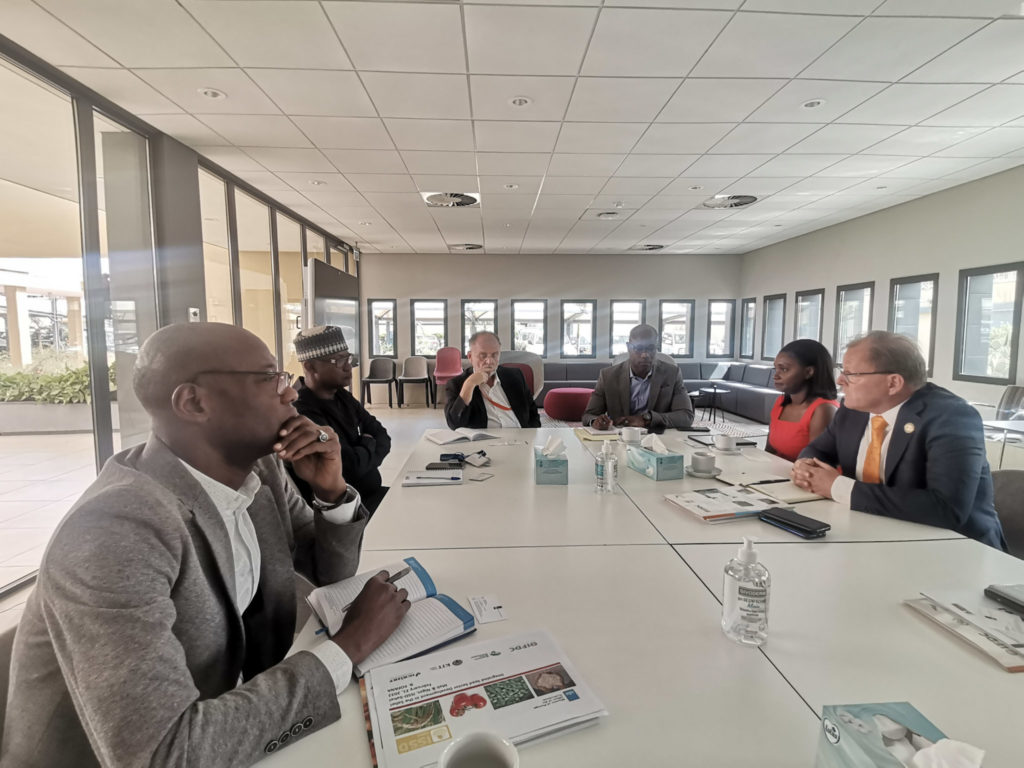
(745, 593)
(606, 469)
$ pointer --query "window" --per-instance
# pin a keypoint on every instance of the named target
(216, 256)
(478, 315)
(530, 326)
(808, 314)
(988, 324)
(382, 327)
(626, 314)
(315, 248)
(854, 304)
(429, 326)
(912, 311)
(255, 269)
(675, 321)
(289, 278)
(578, 328)
(772, 326)
(748, 311)
(721, 327)
(339, 258)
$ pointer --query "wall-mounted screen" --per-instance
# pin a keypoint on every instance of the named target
(332, 298)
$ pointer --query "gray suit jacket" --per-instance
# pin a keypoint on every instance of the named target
(668, 402)
(130, 650)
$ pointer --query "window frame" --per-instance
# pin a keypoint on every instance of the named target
(369, 326)
(894, 283)
(764, 322)
(611, 319)
(661, 325)
(744, 303)
(512, 323)
(821, 311)
(840, 289)
(732, 331)
(593, 330)
(961, 311)
(412, 327)
(462, 321)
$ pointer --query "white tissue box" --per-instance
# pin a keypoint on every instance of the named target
(550, 471)
(657, 466)
(858, 735)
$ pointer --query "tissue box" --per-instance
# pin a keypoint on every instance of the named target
(860, 735)
(548, 471)
(657, 466)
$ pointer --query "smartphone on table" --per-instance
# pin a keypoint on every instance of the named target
(795, 523)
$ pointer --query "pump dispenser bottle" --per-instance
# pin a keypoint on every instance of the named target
(745, 597)
(606, 469)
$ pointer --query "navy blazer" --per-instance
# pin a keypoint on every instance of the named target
(474, 415)
(936, 471)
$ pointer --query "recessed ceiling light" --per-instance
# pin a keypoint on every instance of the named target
(465, 246)
(696, 187)
(776, 225)
(508, 226)
(813, 103)
(729, 201)
(212, 93)
(511, 187)
(883, 186)
(365, 223)
(317, 182)
(520, 101)
(619, 204)
(607, 215)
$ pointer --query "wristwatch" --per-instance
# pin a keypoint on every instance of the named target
(647, 418)
(323, 506)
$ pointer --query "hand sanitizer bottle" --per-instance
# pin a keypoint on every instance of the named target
(745, 597)
(606, 469)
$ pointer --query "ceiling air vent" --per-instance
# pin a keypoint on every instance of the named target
(450, 199)
(464, 246)
(649, 247)
(729, 201)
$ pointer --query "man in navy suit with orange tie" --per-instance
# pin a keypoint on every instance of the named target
(901, 447)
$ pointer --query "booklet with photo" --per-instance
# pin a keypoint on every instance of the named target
(432, 620)
(722, 504)
(521, 686)
(1001, 652)
(462, 434)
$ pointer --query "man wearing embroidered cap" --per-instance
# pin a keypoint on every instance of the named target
(902, 447)
(489, 396)
(323, 398)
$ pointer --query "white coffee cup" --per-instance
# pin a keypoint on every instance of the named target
(725, 442)
(480, 749)
(632, 434)
(702, 461)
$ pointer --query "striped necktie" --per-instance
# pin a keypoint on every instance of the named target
(872, 472)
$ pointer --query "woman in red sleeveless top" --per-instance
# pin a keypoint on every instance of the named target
(804, 375)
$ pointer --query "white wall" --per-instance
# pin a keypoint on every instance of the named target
(973, 225)
(548, 276)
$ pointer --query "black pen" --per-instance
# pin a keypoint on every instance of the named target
(390, 580)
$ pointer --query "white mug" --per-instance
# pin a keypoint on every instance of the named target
(725, 442)
(702, 461)
(632, 434)
(479, 749)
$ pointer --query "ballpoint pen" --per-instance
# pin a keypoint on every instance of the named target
(390, 580)
(433, 477)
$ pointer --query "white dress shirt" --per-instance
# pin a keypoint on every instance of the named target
(498, 418)
(842, 486)
(233, 507)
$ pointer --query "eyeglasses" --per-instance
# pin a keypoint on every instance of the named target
(642, 348)
(851, 375)
(340, 361)
(284, 379)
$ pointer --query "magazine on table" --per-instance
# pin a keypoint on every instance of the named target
(723, 503)
(448, 436)
(522, 686)
(1006, 654)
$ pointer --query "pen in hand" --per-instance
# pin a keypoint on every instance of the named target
(390, 580)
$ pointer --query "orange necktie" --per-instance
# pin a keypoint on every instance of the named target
(872, 472)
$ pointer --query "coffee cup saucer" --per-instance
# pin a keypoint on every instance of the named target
(713, 473)
(728, 451)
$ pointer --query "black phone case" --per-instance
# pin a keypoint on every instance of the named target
(797, 524)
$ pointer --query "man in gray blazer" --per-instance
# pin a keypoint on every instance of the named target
(165, 602)
(640, 391)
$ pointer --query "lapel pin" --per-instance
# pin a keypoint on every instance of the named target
(909, 428)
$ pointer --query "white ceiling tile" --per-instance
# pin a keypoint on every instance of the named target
(570, 164)
(315, 92)
(182, 86)
(492, 94)
(992, 143)
(700, 186)
(381, 182)
(437, 182)
(771, 45)
(563, 202)
(31, 27)
(231, 158)
(400, 37)
(393, 203)
(598, 137)
(513, 204)
(345, 132)
(517, 163)
(612, 99)
(450, 135)
(299, 160)
(573, 185)
(326, 183)
(920, 141)
(510, 136)
(557, 39)
(928, 168)
(839, 139)
(417, 95)
(909, 103)
(271, 34)
(796, 165)
(976, 8)
(987, 168)
(889, 48)
(655, 165)
(864, 166)
(763, 138)
(157, 33)
(990, 108)
(650, 43)
(882, 187)
(681, 138)
(620, 185)
(495, 185)
(726, 165)
(711, 100)
(607, 204)
(819, 186)
(727, 5)
(266, 181)
(418, 162)
(256, 130)
(186, 129)
(989, 55)
(760, 187)
(125, 89)
(847, 7)
(366, 160)
(787, 105)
